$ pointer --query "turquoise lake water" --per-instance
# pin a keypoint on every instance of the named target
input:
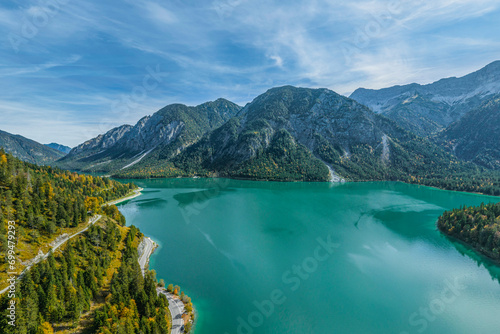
(296, 258)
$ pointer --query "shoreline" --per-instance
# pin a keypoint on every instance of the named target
(305, 181)
(146, 253)
(483, 255)
(195, 319)
(136, 193)
(145, 258)
(174, 301)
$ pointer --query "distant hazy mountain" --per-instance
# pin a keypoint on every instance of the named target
(293, 133)
(154, 138)
(476, 136)
(59, 147)
(28, 150)
(427, 109)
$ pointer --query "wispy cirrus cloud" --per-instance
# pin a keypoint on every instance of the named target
(90, 54)
(160, 14)
(31, 69)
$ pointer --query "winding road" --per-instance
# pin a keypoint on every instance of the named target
(176, 307)
(37, 259)
(146, 253)
(92, 221)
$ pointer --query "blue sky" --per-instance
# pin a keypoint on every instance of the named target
(73, 69)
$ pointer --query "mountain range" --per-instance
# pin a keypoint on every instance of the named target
(413, 133)
(287, 133)
(476, 136)
(154, 139)
(28, 150)
(61, 148)
(305, 134)
(428, 109)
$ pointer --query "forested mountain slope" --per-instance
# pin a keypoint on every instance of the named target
(158, 137)
(28, 150)
(476, 136)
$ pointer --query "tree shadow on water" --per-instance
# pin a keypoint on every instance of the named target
(465, 250)
(152, 202)
(200, 196)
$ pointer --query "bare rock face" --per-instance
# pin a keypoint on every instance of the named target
(308, 134)
(101, 142)
(476, 136)
(427, 109)
(162, 135)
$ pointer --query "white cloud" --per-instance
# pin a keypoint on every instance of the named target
(160, 14)
(252, 46)
(38, 68)
(50, 122)
(278, 60)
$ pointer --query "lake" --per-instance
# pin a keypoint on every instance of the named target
(296, 258)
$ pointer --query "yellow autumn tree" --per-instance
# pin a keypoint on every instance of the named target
(45, 328)
(92, 204)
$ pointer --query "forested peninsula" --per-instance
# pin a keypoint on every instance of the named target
(478, 227)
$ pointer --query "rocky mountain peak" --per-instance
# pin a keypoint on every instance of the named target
(439, 104)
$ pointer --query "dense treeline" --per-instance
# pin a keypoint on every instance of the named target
(155, 170)
(42, 200)
(487, 183)
(478, 227)
(133, 306)
(432, 167)
(59, 290)
(95, 274)
(286, 161)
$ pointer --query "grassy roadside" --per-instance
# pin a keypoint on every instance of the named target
(28, 250)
